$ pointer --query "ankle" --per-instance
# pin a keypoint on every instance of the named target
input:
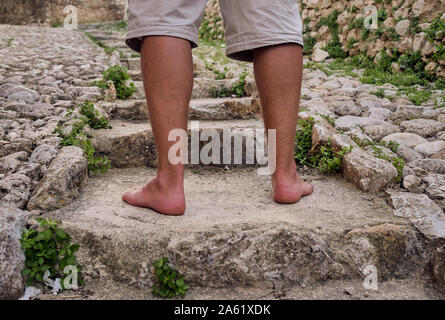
(170, 177)
(285, 172)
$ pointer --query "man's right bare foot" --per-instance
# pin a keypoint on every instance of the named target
(290, 188)
(161, 196)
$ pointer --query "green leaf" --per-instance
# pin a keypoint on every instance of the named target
(26, 271)
(43, 222)
(61, 234)
(39, 277)
(180, 282)
(158, 273)
(62, 252)
(70, 260)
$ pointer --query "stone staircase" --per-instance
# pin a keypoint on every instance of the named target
(233, 234)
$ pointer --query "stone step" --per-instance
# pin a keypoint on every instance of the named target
(105, 36)
(202, 87)
(234, 235)
(105, 288)
(132, 63)
(200, 109)
(130, 144)
(225, 108)
(205, 87)
(118, 44)
(135, 75)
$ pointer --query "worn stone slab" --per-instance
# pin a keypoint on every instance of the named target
(421, 211)
(366, 171)
(233, 233)
(12, 257)
(62, 182)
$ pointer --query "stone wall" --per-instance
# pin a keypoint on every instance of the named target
(52, 11)
(405, 25)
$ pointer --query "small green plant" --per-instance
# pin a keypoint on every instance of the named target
(8, 41)
(397, 162)
(79, 138)
(303, 140)
(392, 34)
(93, 118)
(414, 26)
(57, 24)
(356, 24)
(322, 157)
(436, 25)
(354, 9)
(119, 76)
(107, 49)
(220, 75)
(379, 93)
(236, 90)
(120, 26)
(309, 43)
(49, 249)
(351, 43)
(329, 119)
(327, 160)
(439, 102)
(171, 282)
(222, 92)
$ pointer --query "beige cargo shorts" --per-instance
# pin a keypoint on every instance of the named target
(248, 24)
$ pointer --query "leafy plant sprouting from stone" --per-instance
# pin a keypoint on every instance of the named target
(48, 249)
(93, 117)
(119, 76)
(397, 162)
(236, 90)
(79, 138)
(171, 282)
(324, 158)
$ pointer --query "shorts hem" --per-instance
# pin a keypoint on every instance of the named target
(243, 49)
(133, 38)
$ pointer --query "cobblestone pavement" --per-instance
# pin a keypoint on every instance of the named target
(45, 72)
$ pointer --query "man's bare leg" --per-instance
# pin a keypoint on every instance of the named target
(278, 74)
(167, 70)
